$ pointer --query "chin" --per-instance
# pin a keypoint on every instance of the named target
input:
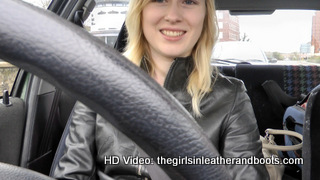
(175, 54)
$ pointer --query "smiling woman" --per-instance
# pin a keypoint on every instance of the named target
(109, 66)
(180, 29)
(182, 36)
(172, 42)
(225, 119)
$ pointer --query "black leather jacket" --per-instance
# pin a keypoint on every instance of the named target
(228, 120)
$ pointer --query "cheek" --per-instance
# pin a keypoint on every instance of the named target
(149, 20)
(197, 23)
(145, 17)
(146, 27)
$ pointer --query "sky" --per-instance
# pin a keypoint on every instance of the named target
(36, 2)
(284, 31)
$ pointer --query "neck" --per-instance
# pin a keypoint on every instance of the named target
(162, 66)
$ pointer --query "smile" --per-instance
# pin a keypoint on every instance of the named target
(172, 33)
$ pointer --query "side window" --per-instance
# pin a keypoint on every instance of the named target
(106, 19)
(40, 3)
(8, 75)
(8, 72)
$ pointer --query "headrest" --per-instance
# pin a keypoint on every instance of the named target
(122, 39)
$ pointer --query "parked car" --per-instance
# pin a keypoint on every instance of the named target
(35, 112)
(238, 52)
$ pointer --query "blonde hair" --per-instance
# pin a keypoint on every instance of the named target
(200, 80)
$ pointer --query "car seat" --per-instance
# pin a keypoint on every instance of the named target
(311, 136)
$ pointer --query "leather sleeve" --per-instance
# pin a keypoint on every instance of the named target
(91, 138)
(241, 137)
(78, 162)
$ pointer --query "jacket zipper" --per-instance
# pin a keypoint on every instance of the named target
(165, 85)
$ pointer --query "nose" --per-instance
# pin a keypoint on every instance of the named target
(174, 13)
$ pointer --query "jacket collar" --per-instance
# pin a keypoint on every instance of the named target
(178, 73)
(177, 79)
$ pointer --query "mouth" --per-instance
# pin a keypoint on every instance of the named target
(171, 33)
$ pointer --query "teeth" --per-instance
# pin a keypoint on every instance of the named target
(172, 33)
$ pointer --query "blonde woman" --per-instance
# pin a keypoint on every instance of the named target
(172, 41)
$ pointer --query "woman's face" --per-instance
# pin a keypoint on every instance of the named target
(172, 27)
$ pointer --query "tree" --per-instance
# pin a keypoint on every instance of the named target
(245, 38)
(45, 3)
(294, 56)
(40, 3)
(277, 55)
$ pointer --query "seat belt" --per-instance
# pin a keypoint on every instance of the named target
(155, 172)
(54, 114)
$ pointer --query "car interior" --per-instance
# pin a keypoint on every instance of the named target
(34, 115)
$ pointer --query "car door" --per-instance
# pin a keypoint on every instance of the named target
(33, 113)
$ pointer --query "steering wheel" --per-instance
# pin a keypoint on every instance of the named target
(81, 65)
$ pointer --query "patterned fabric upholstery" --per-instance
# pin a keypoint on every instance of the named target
(300, 79)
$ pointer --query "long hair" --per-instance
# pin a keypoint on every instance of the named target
(200, 80)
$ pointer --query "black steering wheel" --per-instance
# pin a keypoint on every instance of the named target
(82, 66)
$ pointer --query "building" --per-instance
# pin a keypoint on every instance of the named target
(305, 48)
(107, 18)
(228, 26)
(315, 39)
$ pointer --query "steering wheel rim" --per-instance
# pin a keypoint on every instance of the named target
(62, 53)
(8, 171)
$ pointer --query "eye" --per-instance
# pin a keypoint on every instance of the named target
(189, 2)
(159, 1)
